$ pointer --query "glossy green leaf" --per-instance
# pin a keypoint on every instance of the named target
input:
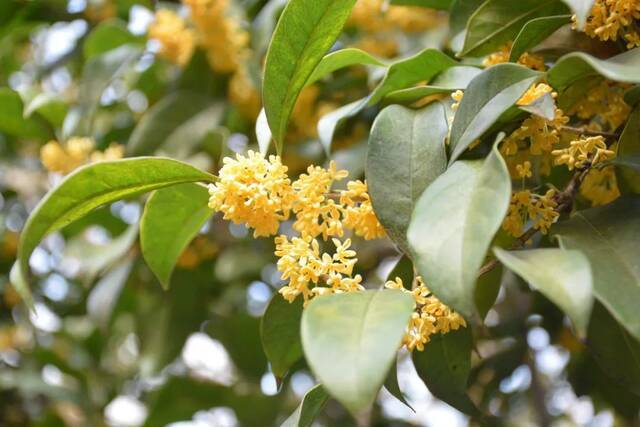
(106, 36)
(453, 225)
(97, 184)
(365, 349)
(406, 153)
(310, 407)
(609, 237)
(422, 66)
(628, 149)
(617, 352)
(497, 22)
(449, 80)
(444, 366)
(280, 334)
(305, 32)
(341, 59)
(14, 122)
(176, 114)
(563, 276)
(171, 218)
(580, 8)
(578, 65)
(393, 387)
(487, 97)
(534, 32)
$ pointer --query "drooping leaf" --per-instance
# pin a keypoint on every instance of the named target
(563, 276)
(280, 334)
(453, 224)
(171, 219)
(444, 366)
(305, 32)
(393, 387)
(617, 352)
(449, 80)
(310, 407)
(534, 32)
(341, 59)
(609, 237)
(14, 122)
(487, 97)
(175, 114)
(362, 330)
(94, 185)
(406, 153)
(628, 149)
(496, 22)
(578, 65)
(422, 66)
(580, 8)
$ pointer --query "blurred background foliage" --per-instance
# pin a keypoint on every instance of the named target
(106, 346)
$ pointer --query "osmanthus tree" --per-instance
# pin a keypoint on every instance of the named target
(500, 151)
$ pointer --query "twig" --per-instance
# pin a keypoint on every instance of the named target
(589, 132)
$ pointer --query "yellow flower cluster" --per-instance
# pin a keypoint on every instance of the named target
(600, 186)
(604, 105)
(357, 211)
(77, 151)
(176, 40)
(529, 60)
(306, 269)
(591, 149)
(219, 33)
(524, 206)
(430, 317)
(611, 19)
(534, 93)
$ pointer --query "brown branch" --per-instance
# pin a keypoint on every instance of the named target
(589, 132)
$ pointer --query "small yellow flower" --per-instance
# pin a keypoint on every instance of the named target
(591, 149)
(457, 97)
(177, 42)
(358, 211)
(534, 93)
(524, 206)
(254, 191)
(77, 151)
(524, 170)
(611, 19)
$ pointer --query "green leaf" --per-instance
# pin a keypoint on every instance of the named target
(459, 14)
(328, 123)
(444, 366)
(170, 119)
(350, 341)
(305, 32)
(628, 150)
(172, 217)
(98, 73)
(341, 59)
(94, 185)
(310, 407)
(563, 276)
(49, 106)
(577, 65)
(614, 349)
(488, 96)
(406, 153)
(580, 8)
(431, 4)
(14, 122)
(106, 36)
(422, 66)
(534, 32)
(393, 387)
(453, 224)
(280, 334)
(609, 237)
(497, 22)
(449, 80)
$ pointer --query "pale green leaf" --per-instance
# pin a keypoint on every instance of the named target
(563, 276)
(453, 225)
(406, 153)
(534, 32)
(305, 32)
(352, 362)
(310, 407)
(171, 218)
